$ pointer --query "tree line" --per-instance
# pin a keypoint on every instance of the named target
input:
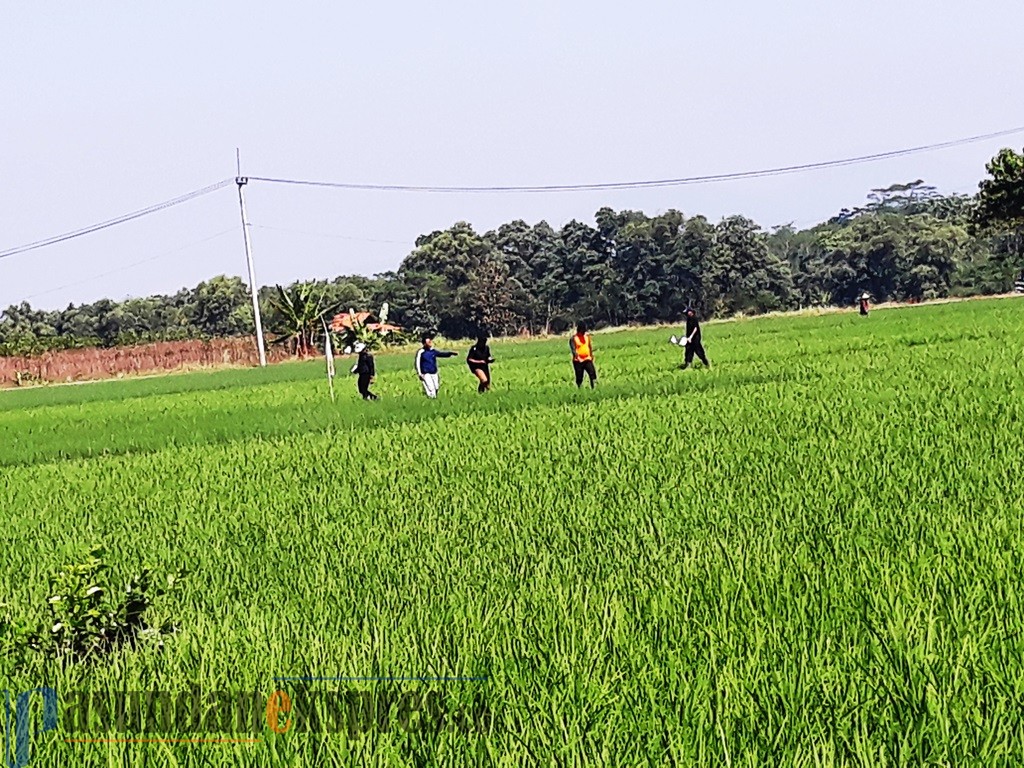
(907, 242)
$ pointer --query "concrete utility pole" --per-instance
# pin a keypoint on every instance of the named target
(241, 181)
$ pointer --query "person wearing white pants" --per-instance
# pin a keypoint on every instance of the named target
(431, 383)
(426, 366)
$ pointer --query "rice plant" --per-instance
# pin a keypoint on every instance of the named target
(807, 555)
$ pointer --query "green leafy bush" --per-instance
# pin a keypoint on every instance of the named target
(85, 621)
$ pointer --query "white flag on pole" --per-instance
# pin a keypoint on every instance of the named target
(329, 355)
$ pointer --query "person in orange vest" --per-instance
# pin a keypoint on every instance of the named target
(582, 347)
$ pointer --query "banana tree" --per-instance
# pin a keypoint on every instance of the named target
(298, 316)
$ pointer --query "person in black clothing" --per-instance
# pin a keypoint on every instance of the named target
(479, 360)
(692, 340)
(366, 371)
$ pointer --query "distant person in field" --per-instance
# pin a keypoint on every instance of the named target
(479, 360)
(426, 366)
(366, 371)
(864, 302)
(582, 347)
(691, 341)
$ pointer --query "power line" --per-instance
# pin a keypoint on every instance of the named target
(648, 184)
(684, 181)
(332, 236)
(115, 221)
(131, 265)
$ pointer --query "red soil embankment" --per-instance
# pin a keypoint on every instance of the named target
(69, 365)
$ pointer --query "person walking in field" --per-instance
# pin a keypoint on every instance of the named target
(366, 371)
(426, 366)
(582, 347)
(863, 302)
(479, 360)
(691, 341)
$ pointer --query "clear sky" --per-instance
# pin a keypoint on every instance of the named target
(111, 107)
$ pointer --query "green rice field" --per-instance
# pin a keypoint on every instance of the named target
(810, 554)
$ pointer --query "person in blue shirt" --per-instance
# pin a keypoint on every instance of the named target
(426, 366)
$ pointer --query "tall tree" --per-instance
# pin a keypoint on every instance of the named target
(492, 302)
(689, 266)
(868, 254)
(1000, 212)
(1001, 197)
(21, 321)
(746, 276)
(454, 254)
(220, 307)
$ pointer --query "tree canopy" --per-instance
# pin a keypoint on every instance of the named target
(905, 243)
